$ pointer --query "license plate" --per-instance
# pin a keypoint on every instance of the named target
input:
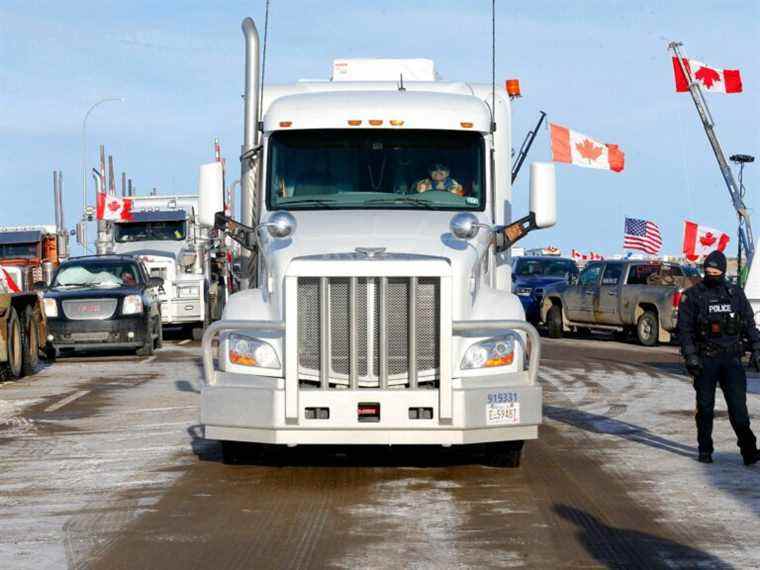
(503, 413)
(89, 309)
(90, 337)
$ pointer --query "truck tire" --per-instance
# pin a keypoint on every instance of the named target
(648, 328)
(160, 336)
(13, 368)
(554, 321)
(504, 454)
(31, 343)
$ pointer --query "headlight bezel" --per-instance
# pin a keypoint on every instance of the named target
(50, 306)
(491, 353)
(132, 305)
(251, 352)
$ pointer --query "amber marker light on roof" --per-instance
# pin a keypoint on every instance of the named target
(513, 88)
(396, 123)
(375, 122)
(354, 122)
(466, 125)
(285, 124)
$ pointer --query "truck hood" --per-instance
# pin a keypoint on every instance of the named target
(534, 281)
(411, 232)
(170, 249)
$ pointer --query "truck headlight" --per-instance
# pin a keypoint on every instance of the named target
(132, 305)
(523, 291)
(249, 351)
(497, 351)
(187, 292)
(51, 307)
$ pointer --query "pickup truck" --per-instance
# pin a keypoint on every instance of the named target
(622, 296)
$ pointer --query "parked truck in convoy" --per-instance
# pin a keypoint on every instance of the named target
(624, 296)
(376, 207)
(166, 233)
(23, 330)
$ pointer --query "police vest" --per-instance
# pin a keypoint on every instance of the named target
(719, 313)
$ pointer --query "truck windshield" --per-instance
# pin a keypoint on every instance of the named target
(545, 267)
(148, 231)
(97, 274)
(370, 169)
(15, 250)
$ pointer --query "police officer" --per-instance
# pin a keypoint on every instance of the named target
(714, 318)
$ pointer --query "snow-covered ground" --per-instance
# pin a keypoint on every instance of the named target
(65, 474)
(643, 419)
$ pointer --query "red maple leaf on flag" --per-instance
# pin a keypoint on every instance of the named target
(708, 239)
(113, 205)
(707, 76)
(588, 151)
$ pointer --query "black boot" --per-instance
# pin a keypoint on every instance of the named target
(751, 457)
(706, 457)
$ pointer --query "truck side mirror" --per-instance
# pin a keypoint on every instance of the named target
(543, 194)
(210, 193)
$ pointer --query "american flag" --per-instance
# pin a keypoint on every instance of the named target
(642, 235)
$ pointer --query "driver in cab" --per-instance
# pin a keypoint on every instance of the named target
(441, 180)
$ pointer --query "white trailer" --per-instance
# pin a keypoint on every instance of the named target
(166, 233)
(381, 309)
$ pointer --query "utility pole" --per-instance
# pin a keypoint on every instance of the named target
(129, 187)
(746, 240)
(123, 184)
(111, 178)
(100, 246)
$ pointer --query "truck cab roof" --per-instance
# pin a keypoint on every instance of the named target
(340, 109)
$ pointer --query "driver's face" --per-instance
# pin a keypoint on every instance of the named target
(439, 174)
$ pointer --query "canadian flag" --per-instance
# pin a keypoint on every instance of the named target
(113, 208)
(593, 256)
(711, 79)
(7, 282)
(577, 255)
(576, 148)
(701, 240)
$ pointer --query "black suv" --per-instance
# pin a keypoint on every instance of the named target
(103, 302)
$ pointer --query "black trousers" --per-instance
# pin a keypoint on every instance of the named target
(726, 370)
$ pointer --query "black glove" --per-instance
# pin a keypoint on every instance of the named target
(754, 360)
(694, 365)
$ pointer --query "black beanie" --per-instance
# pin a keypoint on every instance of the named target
(716, 260)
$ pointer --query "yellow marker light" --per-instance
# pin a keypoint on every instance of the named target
(375, 122)
(354, 122)
(285, 124)
(466, 125)
(242, 359)
(396, 123)
(501, 361)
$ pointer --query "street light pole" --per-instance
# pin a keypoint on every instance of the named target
(84, 163)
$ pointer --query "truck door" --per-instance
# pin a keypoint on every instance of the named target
(580, 298)
(608, 303)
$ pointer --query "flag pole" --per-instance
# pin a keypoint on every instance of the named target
(745, 227)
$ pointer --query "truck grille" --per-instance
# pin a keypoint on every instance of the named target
(89, 309)
(369, 332)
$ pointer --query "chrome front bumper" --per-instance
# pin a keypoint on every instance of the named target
(242, 407)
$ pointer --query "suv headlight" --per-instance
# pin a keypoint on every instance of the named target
(249, 351)
(187, 292)
(51, 307)
(497, 351)
(132, 305)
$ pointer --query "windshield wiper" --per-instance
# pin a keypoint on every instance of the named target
(308, 202)
(401, 200)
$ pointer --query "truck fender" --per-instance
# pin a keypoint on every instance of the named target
(547, 304)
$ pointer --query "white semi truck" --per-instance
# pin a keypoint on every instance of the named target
(167, 233)
(380, 309)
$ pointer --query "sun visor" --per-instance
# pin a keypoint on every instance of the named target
(383, 70)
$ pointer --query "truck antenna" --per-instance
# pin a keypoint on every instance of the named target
(263, 61)
(401, 82)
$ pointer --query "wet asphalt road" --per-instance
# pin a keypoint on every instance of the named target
(104, 466)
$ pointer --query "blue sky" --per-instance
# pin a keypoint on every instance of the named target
(600, 67)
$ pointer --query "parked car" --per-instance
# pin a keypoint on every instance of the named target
(22, 332)
(624, 296)
(531, 275)
(103, 302)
